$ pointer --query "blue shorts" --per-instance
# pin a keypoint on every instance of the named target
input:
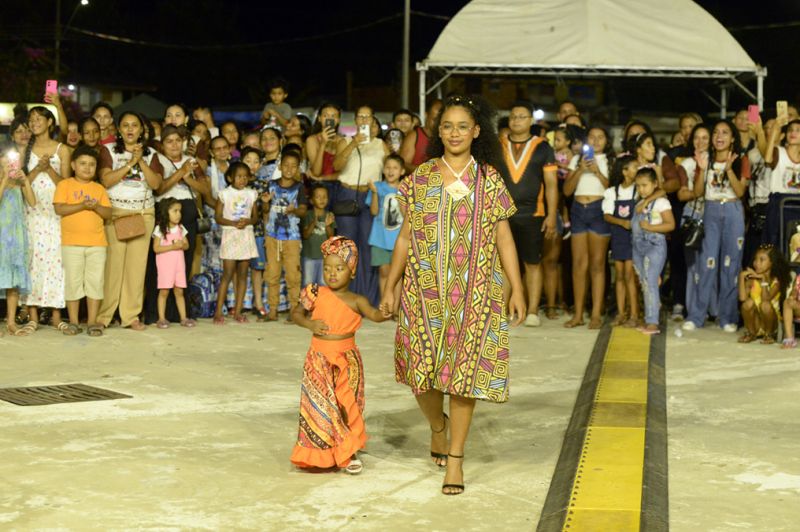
(588, 218)
(259, 263)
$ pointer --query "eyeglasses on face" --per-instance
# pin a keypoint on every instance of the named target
(448, 128)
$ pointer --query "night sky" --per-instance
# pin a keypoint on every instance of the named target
(230, 73)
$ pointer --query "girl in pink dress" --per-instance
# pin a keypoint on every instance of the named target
(169, 243)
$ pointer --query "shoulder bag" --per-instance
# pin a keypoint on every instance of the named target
(131, 226)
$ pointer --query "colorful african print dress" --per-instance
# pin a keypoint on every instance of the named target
(332, 390)
(452, 334)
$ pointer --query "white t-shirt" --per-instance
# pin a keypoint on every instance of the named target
(588, 183)
(760, 175)
(180, 190)
(610, 196)
(237, 204)
(718, 186)
(133, 192)
(656, 208)
(785, 177)
(178, 228)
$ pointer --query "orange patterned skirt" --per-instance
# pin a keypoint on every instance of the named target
(331, 405)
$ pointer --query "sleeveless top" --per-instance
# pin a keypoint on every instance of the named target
(370, 164)
(327, 163)
(326, 306)
(420, 147)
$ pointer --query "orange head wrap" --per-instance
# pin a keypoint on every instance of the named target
(343, 247)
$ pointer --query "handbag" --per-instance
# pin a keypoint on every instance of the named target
(203, 222)
(349, 207)
(131, 226)
(692, 230)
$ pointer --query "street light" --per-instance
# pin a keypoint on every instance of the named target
(66, 28)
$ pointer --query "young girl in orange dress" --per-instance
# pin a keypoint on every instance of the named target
(332, 391)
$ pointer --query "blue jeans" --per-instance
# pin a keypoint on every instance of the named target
(649, 256)
(358, 228)
(312, 272)
(719, 262)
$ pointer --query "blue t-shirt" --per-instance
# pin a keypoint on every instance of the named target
(389, 219)
(280, 225)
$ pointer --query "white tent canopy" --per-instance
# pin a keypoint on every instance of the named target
(589, 38)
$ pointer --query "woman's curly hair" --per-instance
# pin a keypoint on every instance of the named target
(486, 147)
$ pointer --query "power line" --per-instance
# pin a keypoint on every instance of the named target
(206, 47)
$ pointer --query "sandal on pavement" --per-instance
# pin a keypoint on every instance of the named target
(456, 486)
(440, 456)
(219, 320)
(789, 343)
(162, 324)
(95, 330)
(136, 325)
(241, 318)
(188, 322)
(746, 338)
(596, 323)
(68, 329)
(551, 313)
(574, 322)
(354, 467)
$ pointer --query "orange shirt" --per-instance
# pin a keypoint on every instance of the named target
(84, 228)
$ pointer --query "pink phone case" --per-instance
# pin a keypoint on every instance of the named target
(752, 114)
(51, 87)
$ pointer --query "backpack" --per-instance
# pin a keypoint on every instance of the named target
(201, 294)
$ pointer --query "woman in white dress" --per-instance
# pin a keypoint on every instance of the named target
(46, 163)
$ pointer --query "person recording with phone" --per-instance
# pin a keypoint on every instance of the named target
(588, 181)
(359, 162)
(321, 147)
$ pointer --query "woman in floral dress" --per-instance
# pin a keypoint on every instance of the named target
(455, 244)
(46, 163)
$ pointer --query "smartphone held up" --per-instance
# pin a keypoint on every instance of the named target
(588, 152)
(363, 130)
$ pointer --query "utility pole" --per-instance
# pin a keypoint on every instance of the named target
(406, 52)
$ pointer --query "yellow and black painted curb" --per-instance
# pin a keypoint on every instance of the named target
(612, 470)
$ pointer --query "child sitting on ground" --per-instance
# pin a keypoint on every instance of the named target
(332, 391)
(760, 291)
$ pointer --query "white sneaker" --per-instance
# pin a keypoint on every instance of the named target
(730, 328)
(677, 313)
(532, 320)
(688, 326)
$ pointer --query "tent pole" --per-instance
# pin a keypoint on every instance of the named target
(723, 102)
(422, 92)
(760, 87)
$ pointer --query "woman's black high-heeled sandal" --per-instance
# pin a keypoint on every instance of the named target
(457, 486)
(440, 456)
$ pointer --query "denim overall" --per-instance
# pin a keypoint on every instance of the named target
(649, 256)
(621, 244)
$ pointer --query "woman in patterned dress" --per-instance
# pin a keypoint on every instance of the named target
(455, 243)
(46, 163)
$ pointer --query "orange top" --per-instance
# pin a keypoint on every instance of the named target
(84, 228)
(326, 306)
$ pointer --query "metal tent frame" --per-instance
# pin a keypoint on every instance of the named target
(734, 76)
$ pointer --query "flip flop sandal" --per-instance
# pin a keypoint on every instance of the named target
(68, 329)
(219, 321)
(137, 325)
(789, 343)
(95, 330)
(188, 323)
(241, 318)
(162, 324)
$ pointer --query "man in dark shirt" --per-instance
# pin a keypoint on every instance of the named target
(532, 182)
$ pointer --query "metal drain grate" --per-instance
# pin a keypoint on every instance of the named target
(62, 393)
